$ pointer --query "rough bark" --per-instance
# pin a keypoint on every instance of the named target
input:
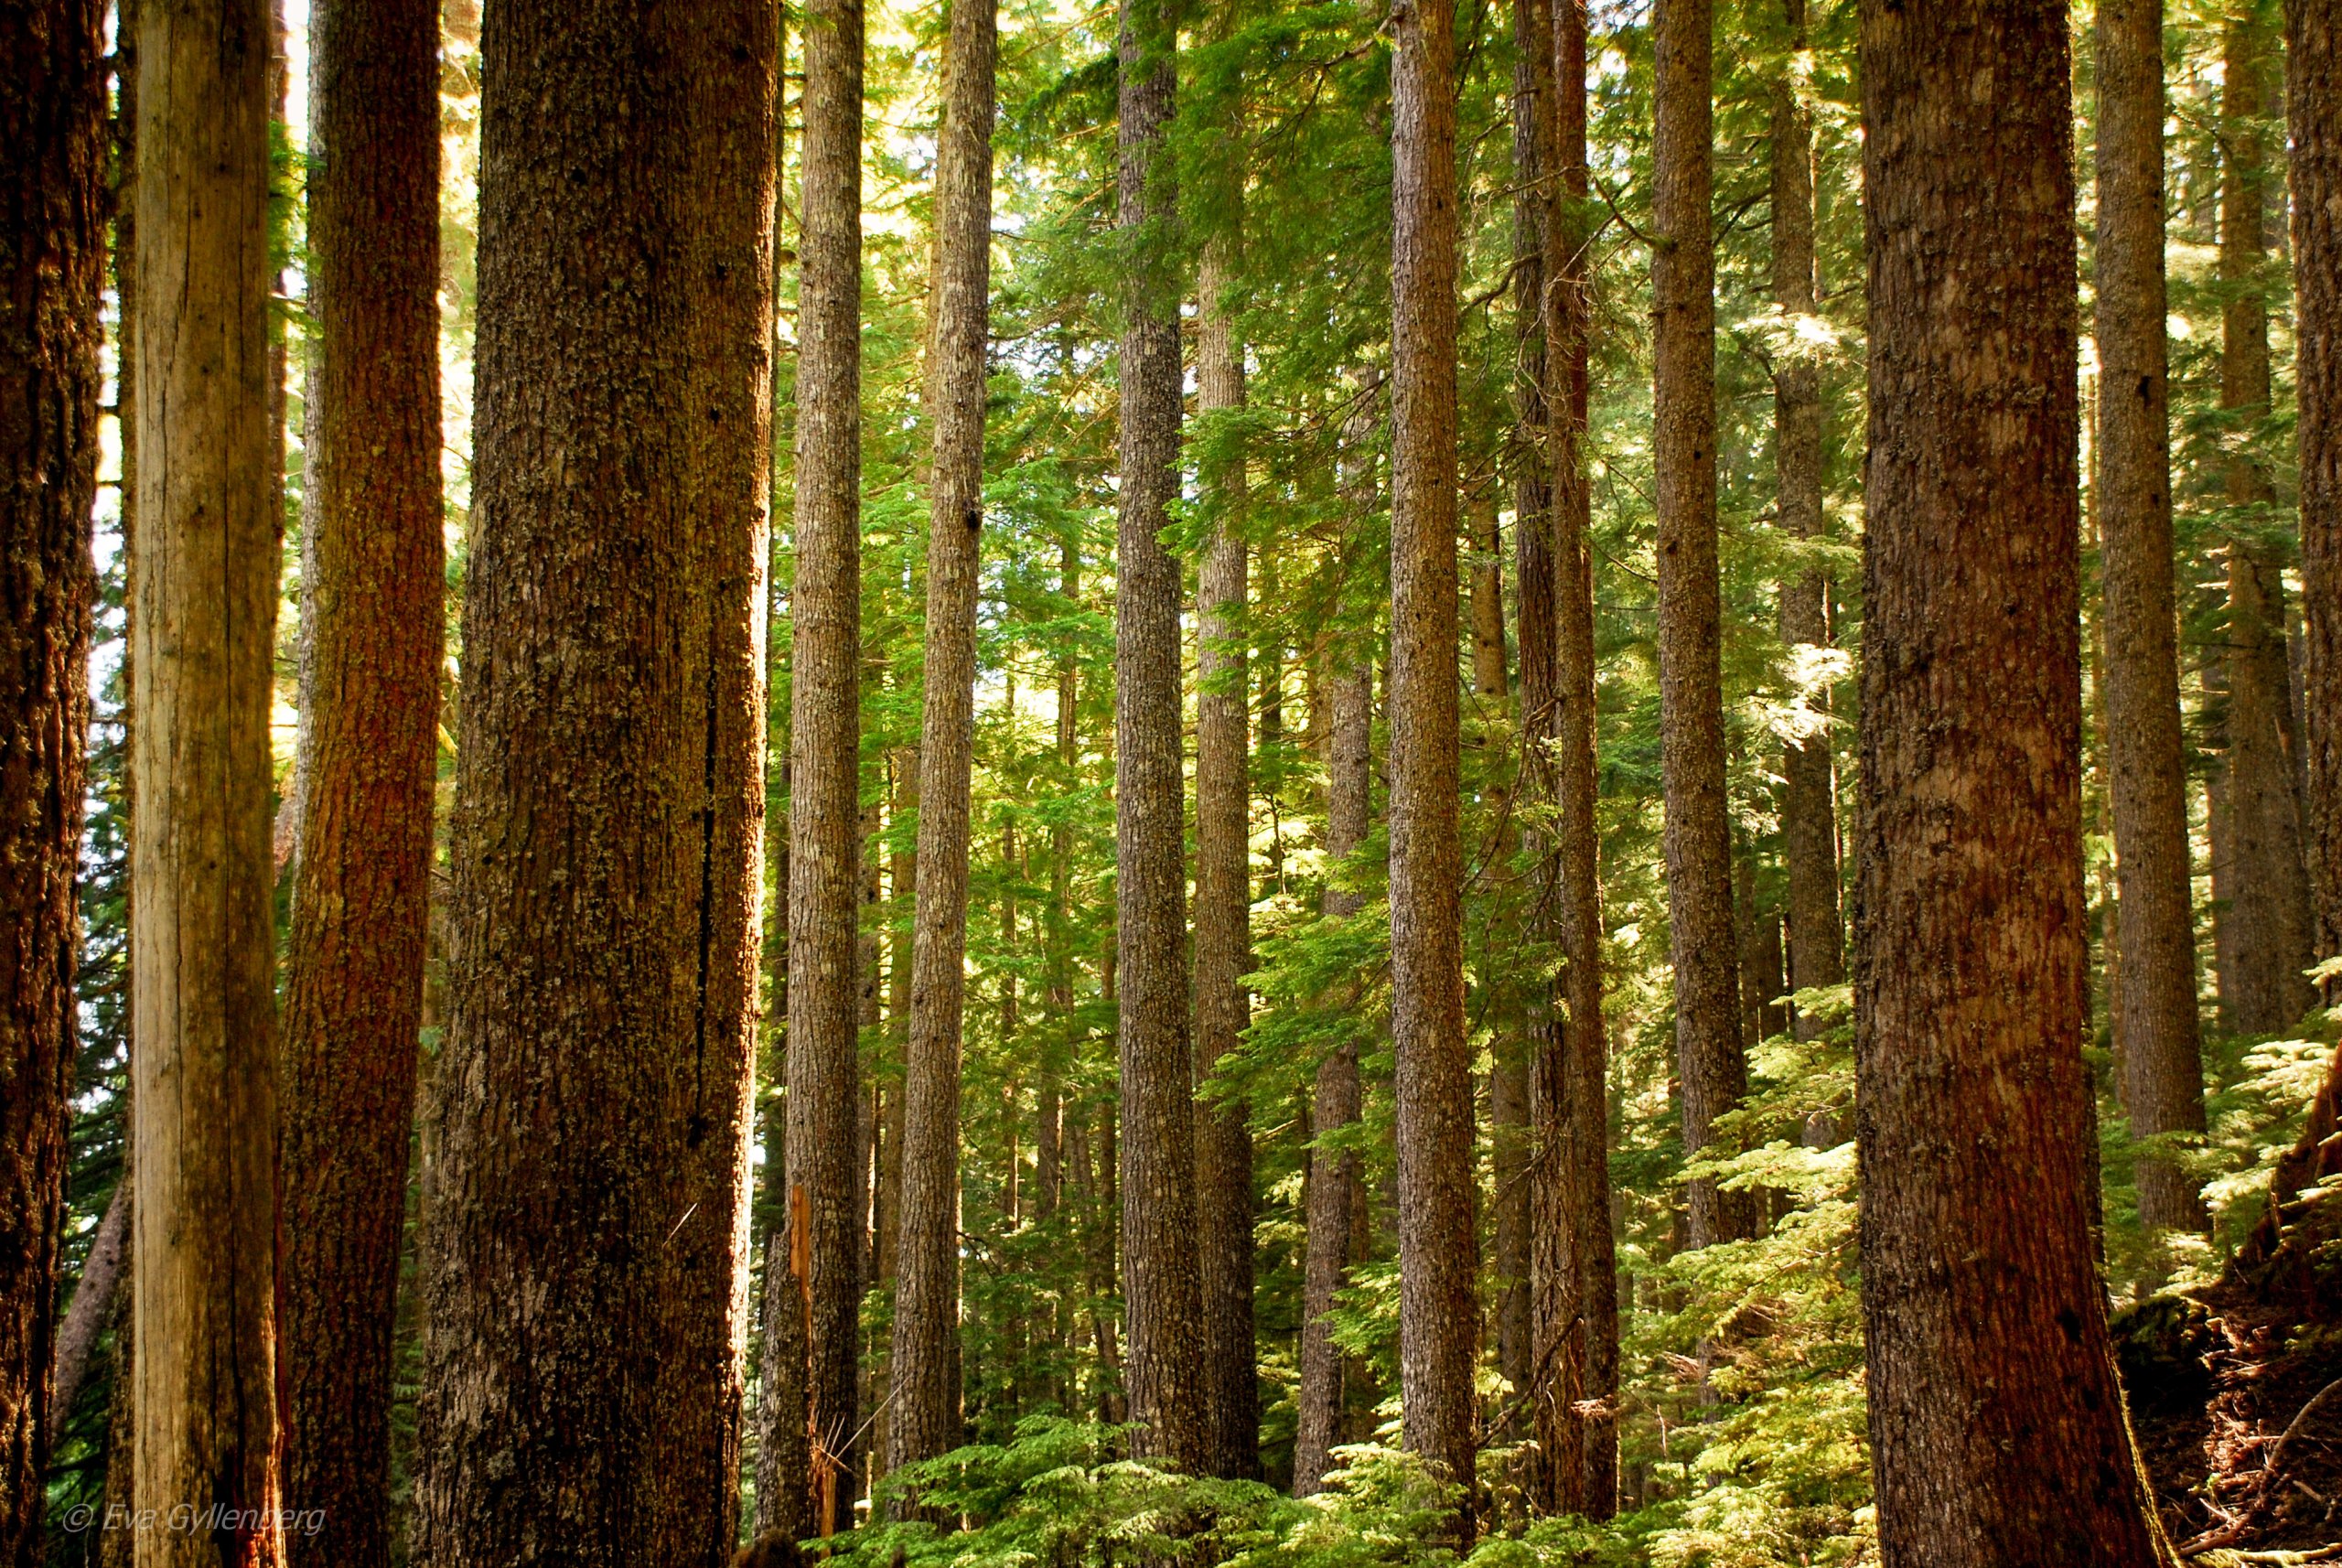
(2267, 929)
(94, 1299)
(1711, 1064)
(1576, 1312)
(585, 1266)
(1161, 1292)
(1439, 1321)
(825, 1176)
(53, 209)
(925, 1419)
(1809, 810)
(1996, 1422)
(2148, 784)
(1334, 1171)
(202, 630)
(1223, 911)
(2314, 111)
(373, 617)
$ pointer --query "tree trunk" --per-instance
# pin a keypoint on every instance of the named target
(925, 1419)
(1809, 810)
(1223, 910)
(825, 1178)
(53, 211)
(1575, 1316)
(1713, 1066)
(1996, 1422)
(1161, 1290)
(373, 624)
(586, 1267)
(1439, 1320)
(94, 1299)
(2163, 1071)
(203, 635)
(2314, 111)
(2267, 930)
(1334, 1171)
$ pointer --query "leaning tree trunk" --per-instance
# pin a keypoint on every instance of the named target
(1223, 908)
(1578, 1314)
(1438, 1319)
(586, 1267)
(1996, 1422)
(2267, 924)
(825, 1176)
(2156, 931)
(2313, 111)
(1161, 1292)
(1334, 1104)
(53, 209)
(1711, 1064)
(374, 619)
(1809, 810)
(925, 1419)
(202, 634)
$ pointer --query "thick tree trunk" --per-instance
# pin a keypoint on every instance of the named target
(1438, 1319)
(1335, 1170)
(1996, 1422)
(1809, 810)
(2155, 995)
(2267, 927)
(1576, 1313)
(586, 1266)
(373, 624)
(826, 1197)
(53, 210)
(1223, 910)
(202, 633)
(1711, 1065)
(2313, 111)
(1161, 1290)
(924, 1420)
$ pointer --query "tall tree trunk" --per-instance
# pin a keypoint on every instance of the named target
(1996, 1421)
(2313, 111)
(925, 1418)
(586, 1267)
(53, 209)
(825, 1178)
(373, 627)
(1713, 1066)
(2163, 1068)
(1161, 1290)
(1576, 1315)
(2268, 933)
(1809, 811)
(1438, 1319)
(1334, 1170)
(202, 633)
(1223, 910)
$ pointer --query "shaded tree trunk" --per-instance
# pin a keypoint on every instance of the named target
(53, 210)
(2163, 1071)
(374, 617)
(1438, 1319)
(203, 635)
(925, 1419)
(1161, 1290)
(1809, 810)
(2268, 931)
(825, 1178)
(1223, 911)
(1996, 1421)
(1713, 1066)
(2314, 111)
(585, 1266)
